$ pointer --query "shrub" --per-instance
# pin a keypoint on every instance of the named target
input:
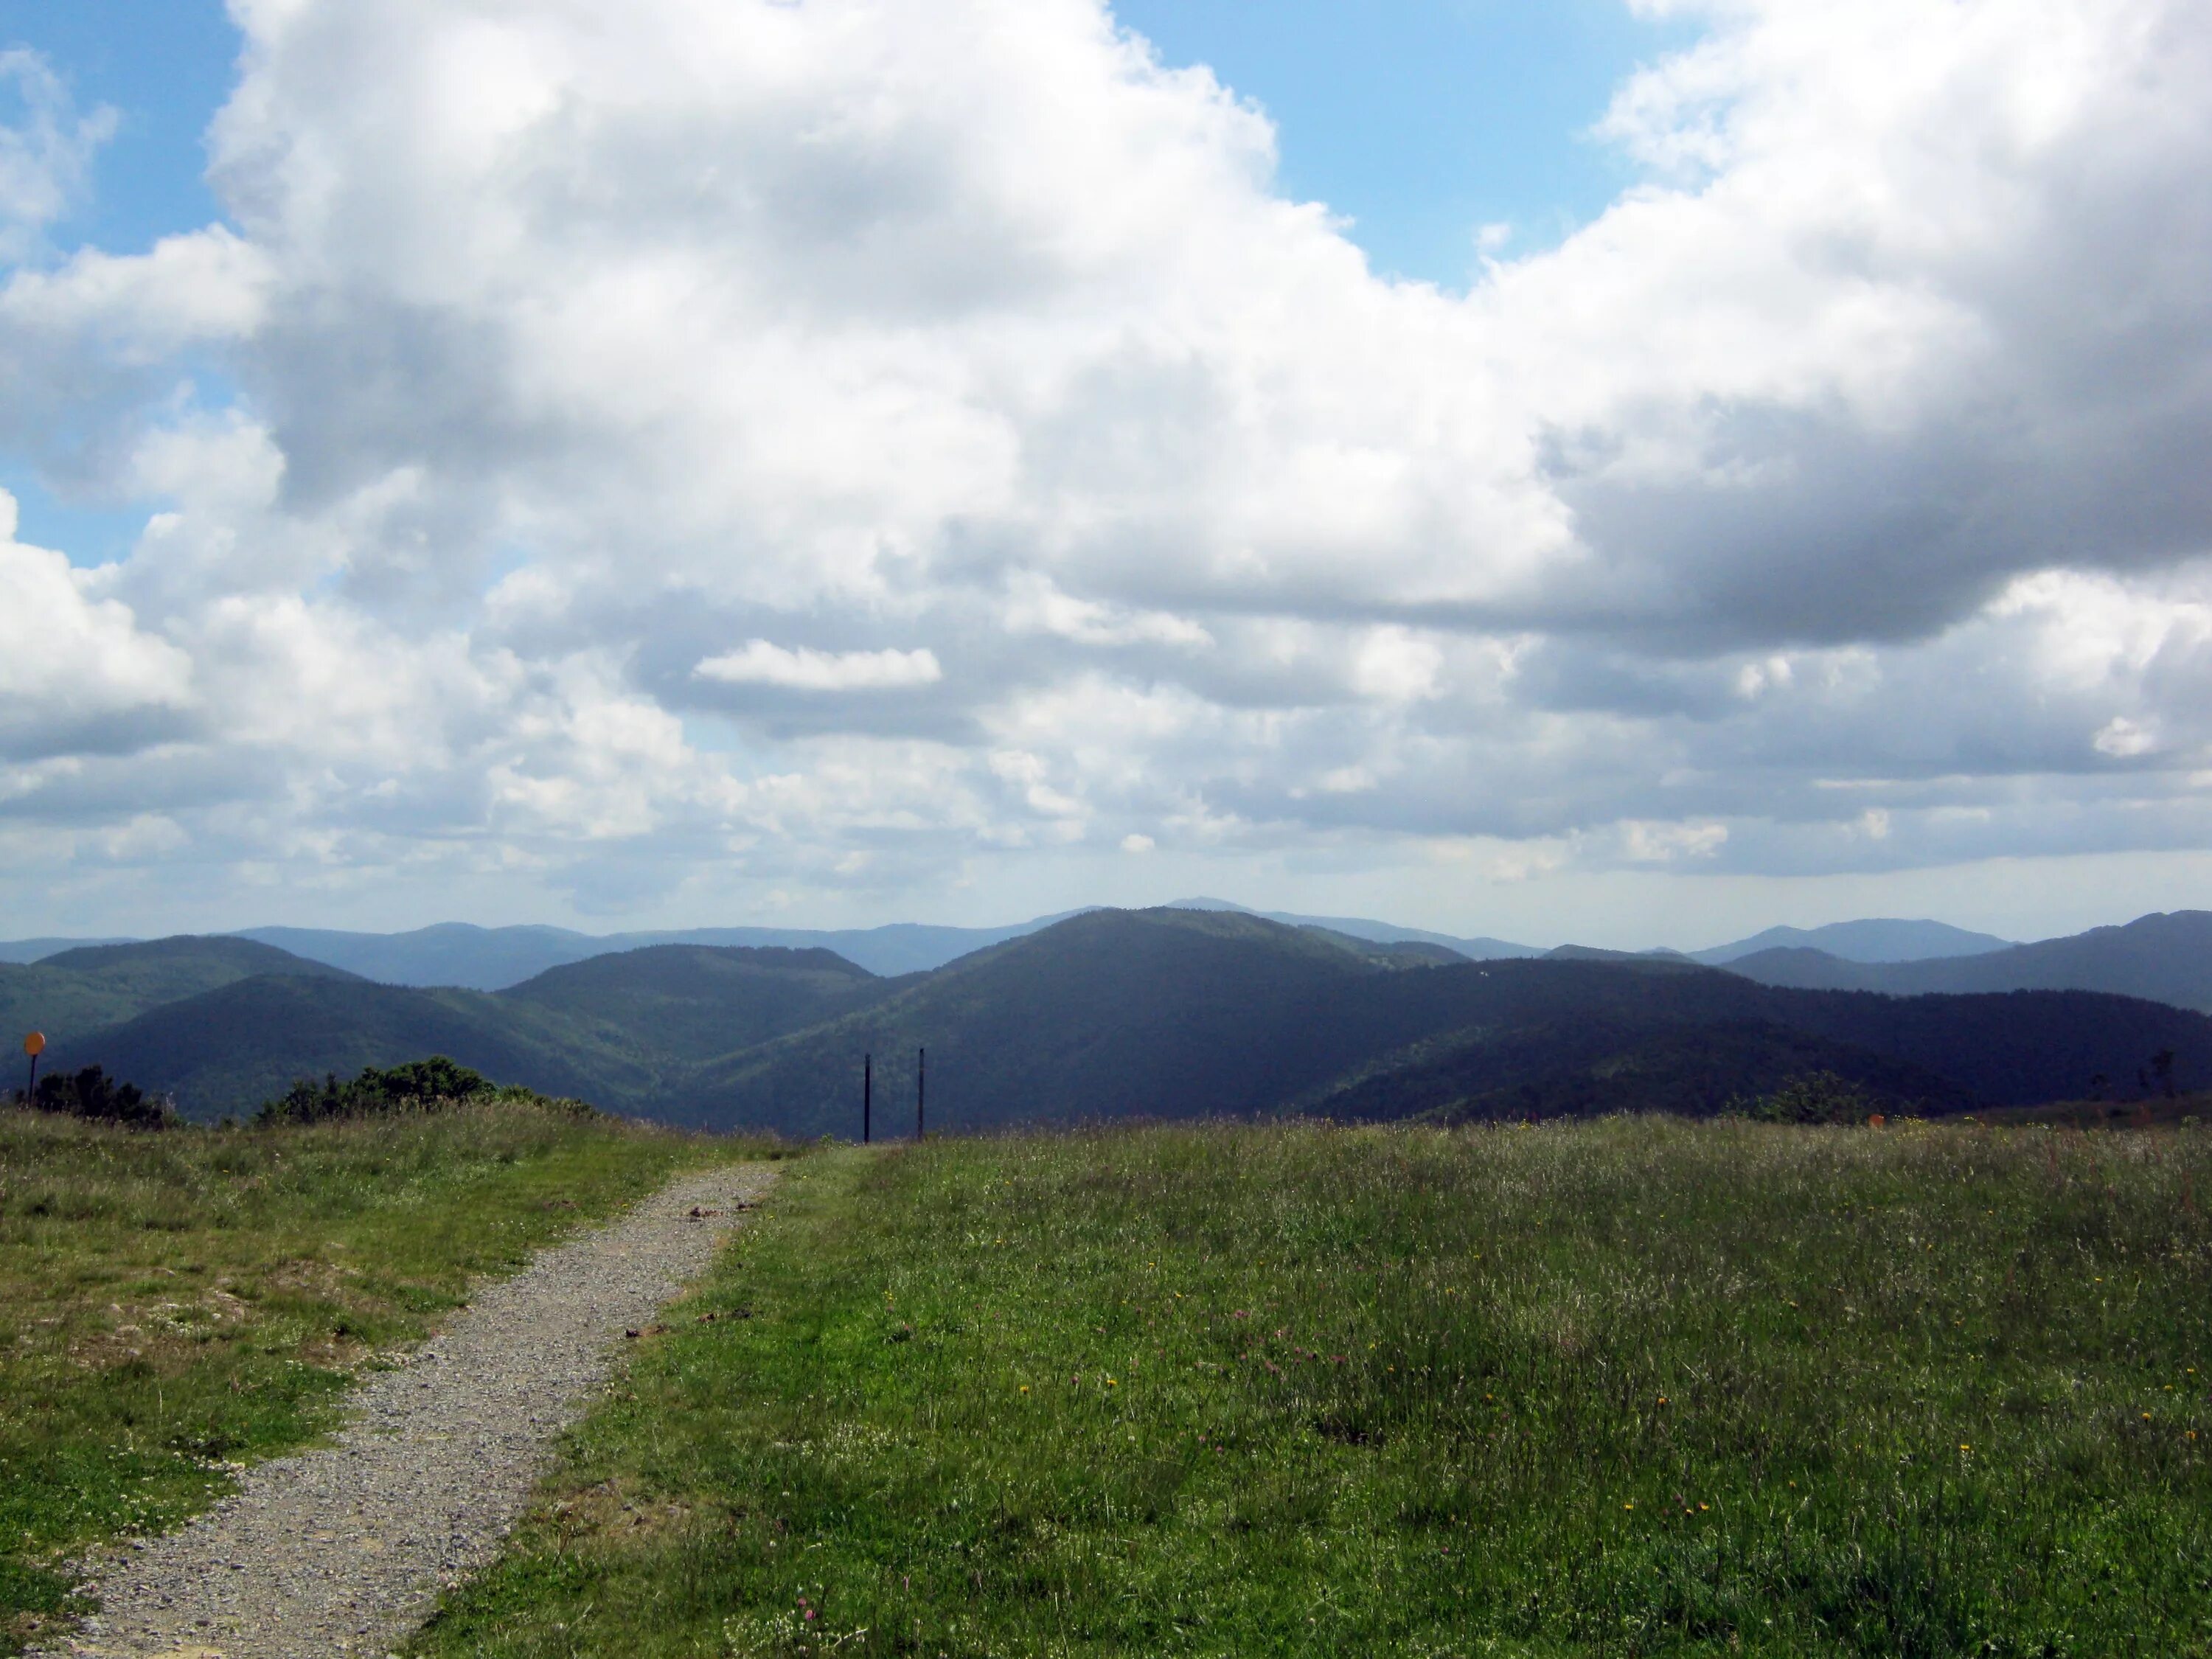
(1814, 1097)
(420, 1086)
(91, 1094)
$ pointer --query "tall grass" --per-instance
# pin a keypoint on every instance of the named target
(1637, 1387)
(173, 1304)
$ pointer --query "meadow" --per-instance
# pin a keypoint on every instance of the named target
(1634, 1386)
(174, 1305)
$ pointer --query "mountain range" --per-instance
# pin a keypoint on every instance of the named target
(494, 958)
(1173, 1013)
(2166, 957)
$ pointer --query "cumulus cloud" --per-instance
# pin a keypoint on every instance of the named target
(77, 675)
(1834, 500)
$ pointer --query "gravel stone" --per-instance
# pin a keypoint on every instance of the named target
(346, 1548)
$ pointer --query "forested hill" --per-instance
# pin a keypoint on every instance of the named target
(1180, 1014)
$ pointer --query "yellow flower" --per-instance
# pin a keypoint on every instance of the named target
(1025, 1388)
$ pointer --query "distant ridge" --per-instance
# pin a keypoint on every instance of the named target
(33, 950)
(1478, 949)
(494, 958)
(2163, 958)
(1862, 941)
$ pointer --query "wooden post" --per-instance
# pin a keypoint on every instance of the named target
(868, 1094)
(920, 1087)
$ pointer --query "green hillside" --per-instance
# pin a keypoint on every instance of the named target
(1157, 1012)
(59, 1004)
(1585, 1067)
(617, 1029)
(76, 992)
(687, 1002)
(227, 1050)
(1180, 1014)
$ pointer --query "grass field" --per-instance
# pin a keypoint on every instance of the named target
(171, 1304)
(1635, 1387)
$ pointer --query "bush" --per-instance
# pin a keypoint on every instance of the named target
(91, 1094)
(420, 1086)
(1814, 1097)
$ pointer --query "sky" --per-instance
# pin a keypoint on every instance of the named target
(1633, 473)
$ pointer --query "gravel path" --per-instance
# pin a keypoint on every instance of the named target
(344, 1550)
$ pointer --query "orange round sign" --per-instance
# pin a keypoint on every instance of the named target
(35, 1044)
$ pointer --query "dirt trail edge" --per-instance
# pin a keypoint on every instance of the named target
(344, 1549)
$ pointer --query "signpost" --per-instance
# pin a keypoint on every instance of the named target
(33, 1045)
(920, 1087)
(868, 1094)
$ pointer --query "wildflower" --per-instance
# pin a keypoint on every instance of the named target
(1662, 1399)
(1628, 1506)
(1025, 1388)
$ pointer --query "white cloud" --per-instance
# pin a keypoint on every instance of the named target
(759, 663)
(1063, 481)
(44, 161)
(1664, 843)
(76, 672)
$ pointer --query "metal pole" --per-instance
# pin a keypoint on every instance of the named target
(31, 1089)
(920, 1087)
(868, 1095)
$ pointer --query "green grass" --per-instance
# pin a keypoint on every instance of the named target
(173, 1304)
(1635, 1387)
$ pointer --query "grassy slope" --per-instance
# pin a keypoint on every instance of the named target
(1633, 1386)
(170, 1302)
